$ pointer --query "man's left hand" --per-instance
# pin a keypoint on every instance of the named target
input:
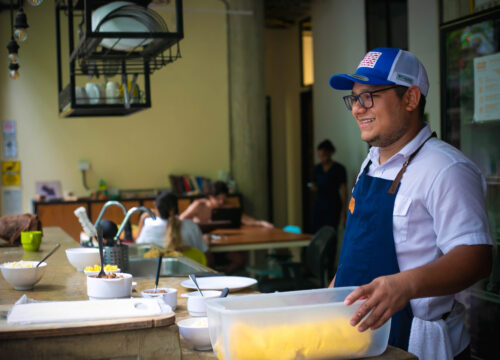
(384, 296)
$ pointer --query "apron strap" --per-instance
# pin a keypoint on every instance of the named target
(397, 180)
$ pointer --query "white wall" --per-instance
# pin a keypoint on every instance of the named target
(339, 44)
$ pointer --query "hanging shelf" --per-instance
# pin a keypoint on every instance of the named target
(107, 73)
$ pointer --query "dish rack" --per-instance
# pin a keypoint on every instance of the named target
(92, 53)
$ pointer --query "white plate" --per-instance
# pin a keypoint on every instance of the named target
(233, 283)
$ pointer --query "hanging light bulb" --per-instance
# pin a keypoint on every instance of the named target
(35, 2)
(13, 48)
(21, 26)
(13, 71)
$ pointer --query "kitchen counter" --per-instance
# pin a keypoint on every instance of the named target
(61, 282)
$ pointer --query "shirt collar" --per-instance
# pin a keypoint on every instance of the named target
(406, 151)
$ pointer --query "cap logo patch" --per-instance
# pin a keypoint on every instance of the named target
(404, 78)
(359, 77)
(370, 59)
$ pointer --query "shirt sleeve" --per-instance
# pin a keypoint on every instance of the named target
(456, 201)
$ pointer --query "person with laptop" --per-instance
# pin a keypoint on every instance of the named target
(201, 211)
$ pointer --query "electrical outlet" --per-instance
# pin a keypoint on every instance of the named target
(83, 165)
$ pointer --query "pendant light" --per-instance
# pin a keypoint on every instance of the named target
(13, 48)
(21, 25)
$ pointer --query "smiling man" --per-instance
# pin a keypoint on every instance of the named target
(417, 230)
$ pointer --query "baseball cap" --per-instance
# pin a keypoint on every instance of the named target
(385, 66)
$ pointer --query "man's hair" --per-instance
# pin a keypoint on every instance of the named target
(401, 90)
(220, 187)
(326, 145)
(166, 203)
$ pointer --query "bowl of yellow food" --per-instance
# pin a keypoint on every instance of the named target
(23, 275)
(195, 332)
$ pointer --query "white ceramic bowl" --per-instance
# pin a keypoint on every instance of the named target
(196, 303)
(169, 295)
(101, 288)
(23, 278)
(195, 332)
(82, 257)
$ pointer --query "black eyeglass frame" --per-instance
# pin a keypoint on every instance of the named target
(349, 100)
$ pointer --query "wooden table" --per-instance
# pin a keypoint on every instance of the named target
(255, 238)
(62, 282)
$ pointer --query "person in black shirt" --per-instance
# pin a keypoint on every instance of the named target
(330, 186)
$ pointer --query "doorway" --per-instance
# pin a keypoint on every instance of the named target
(307, 157)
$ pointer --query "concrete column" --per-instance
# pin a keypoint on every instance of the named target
(247, 118)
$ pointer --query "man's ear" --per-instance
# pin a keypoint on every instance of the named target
(412, 98)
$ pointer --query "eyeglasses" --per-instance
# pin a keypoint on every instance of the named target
(365, 98)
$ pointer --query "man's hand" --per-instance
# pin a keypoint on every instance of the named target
(384, 296)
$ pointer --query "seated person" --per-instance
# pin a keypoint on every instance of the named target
(200, 211)
(167, 230)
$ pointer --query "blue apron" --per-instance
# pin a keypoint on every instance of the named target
(368, 249)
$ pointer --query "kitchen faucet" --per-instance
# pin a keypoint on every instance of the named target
(106, 205)
(129, 214)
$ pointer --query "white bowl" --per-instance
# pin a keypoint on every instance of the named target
(82, 257)
(195, 332)
(23, 278)
(169, 295)
(196, 303)
(101, 288)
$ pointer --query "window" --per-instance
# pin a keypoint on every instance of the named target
(306, 53)
(386, 23)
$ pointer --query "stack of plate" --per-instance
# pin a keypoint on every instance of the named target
(124, 16)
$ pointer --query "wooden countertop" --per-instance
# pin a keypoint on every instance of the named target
(62, 282)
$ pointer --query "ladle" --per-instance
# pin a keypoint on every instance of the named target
(193, 279)
(50, 253)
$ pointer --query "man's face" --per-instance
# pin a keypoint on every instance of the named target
(384, 123)
(219, 200)
(324, 156)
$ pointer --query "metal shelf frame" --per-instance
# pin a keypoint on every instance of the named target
(88, 57)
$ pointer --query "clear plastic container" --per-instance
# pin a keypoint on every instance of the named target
(309, 324)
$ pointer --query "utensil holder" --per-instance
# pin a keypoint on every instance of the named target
(117, 255)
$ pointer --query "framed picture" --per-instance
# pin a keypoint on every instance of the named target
(48, 189)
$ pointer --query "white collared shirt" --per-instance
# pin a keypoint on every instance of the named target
(440, 205)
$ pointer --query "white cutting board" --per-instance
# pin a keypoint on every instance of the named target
(66, 311)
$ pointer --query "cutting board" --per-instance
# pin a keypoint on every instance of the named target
(126, 316)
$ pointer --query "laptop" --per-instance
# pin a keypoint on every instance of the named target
(230, 215)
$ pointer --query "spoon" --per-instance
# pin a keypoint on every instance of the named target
(224, 293)
(158, 272)
(50, 253)
(99, 240)
(193, 279)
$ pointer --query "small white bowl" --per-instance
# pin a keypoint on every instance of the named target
(195, 332)
(196, 303)
(82, 257)
(23, 278)
(169, 295)
(101, 288)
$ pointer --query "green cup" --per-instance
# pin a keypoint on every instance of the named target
(31, 240)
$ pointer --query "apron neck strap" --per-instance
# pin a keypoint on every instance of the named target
(397, 180)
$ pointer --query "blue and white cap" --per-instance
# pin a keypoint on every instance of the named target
(385, 66)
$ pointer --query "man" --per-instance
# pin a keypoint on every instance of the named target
(417, 229)
(201, 209)
(331, 191)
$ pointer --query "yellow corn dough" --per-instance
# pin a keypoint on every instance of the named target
(315, 340)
